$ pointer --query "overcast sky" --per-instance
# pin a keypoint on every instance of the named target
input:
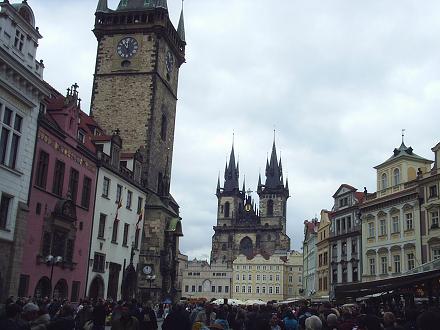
(337, 79)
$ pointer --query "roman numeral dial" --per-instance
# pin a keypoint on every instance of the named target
(127, 47)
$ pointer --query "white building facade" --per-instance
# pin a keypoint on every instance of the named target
(117, 224)
(21, 92)
(309, 254)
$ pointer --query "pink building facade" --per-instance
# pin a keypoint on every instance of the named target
(61, 203)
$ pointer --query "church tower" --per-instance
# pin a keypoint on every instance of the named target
(135, 92)
(136, 78)
(274, 193)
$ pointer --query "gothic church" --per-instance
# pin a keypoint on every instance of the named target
(242, 226)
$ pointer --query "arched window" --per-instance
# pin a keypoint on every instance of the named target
(384, 181)
(396, 176)
(227, 205)
(270, 208)
(163, 128)
(246, 247)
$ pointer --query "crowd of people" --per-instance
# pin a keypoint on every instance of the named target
(45, 314)
(303, 316)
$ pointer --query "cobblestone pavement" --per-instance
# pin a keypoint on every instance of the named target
(159, 324)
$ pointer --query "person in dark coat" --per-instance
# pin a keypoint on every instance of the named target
(148, 319)
(178, 318)
(64, 321)
(98, 315)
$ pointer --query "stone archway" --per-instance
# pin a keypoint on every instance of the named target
(60, 291)
(96, 289)
(43, 288)
(247, 247)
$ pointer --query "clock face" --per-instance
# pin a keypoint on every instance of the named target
(127, 47)
(147, 270)
(247, 207)
(169, 61)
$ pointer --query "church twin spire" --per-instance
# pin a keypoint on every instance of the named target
(274, 175)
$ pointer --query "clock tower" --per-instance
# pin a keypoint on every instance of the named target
(135, 82)
(135, 93)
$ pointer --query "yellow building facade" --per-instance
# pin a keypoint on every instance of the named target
(391, 232)
(267, 278)
(322, 261)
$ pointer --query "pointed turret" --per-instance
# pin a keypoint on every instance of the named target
(244, 185)
(102, 6)
(259, 186)
(231, 174)
(273, 171)
(218, 186)
(181, 26)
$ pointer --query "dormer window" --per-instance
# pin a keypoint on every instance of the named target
(384, 181)
(396, 176)
(81, 136)
(19, 40)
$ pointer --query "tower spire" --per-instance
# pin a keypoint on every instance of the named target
(231, 173)
(181, 26)
(273, 170)
(102, 6)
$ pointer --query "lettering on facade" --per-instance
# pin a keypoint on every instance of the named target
(66, 151)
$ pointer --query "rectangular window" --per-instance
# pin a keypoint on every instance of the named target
(193, 288)
(105, 187)
(396, 259)
(237, 289)
(200, 288)
(23, 285)
(115, 231)
(219, 289)
(19, 40)
(371, 231)
(396, 224)
(4, 210)
(434, 219)
(383, 227)
(140, 205)
(270, 290)
(433, 191)
(237, 277)
(277, 277)
(250, 277)
(101, 227)
(42, 168)
(136, 238)
(125, 239)
(344, 248)
(3, 144)
(58, 178)
(186, 288)
(290, 279)
(258, 277)
(263, 289)
(348, 223)
(118, 193)
(213, 288)
(73, 184)
(384, 265)
(243, 289)
(372, 262)
(324, 282)
(14, 150)
(86, 191)
(270, 278)
(409, 221)
(257, 290)
(99, 262)
(277, 289)
(411, 261)
(436, 253)
(249, 289)
(353, 246)
(226, 289)
(264, 278)
(74, 297)
(129, 197)
(243, 277)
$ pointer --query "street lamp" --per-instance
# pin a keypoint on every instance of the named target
(52, 261)
(150, 279)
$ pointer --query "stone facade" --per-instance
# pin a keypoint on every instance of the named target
(391, 240)
(136, 93)
(208, 281)
(241, 228)
(345, 236)
(21, 92)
